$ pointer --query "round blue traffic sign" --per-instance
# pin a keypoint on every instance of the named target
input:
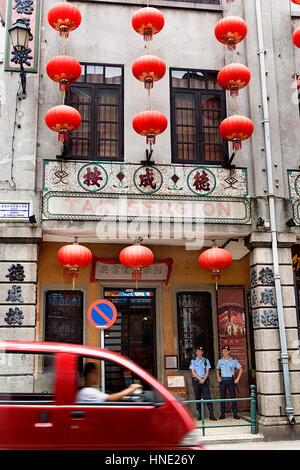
(102, 314)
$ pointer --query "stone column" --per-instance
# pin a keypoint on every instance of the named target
(18, 283)
(270, 386)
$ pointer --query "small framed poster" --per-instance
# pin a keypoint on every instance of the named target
(171, 362)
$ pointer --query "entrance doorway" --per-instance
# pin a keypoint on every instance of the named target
(133, 333)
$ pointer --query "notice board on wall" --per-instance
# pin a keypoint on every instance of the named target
(232, 333)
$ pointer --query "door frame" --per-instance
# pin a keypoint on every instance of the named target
(158, 320)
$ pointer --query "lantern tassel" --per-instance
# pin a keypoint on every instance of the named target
(236, 145)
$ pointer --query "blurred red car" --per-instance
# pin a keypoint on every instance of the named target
(38, 409)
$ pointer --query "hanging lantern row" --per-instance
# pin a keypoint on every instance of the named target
(73, 257)
(63, 69)
(136, 257)
(149, 124)
(236, 129)
(148, 21)
(149, 69)
(63, 119)
(215, 259)
(233, 77)
(230, 31)
(63, 17)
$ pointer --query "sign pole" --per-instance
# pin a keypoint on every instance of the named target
(102, 362)
(102, 314)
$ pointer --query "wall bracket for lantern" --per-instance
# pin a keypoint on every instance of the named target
(148, 160)
(227, 164)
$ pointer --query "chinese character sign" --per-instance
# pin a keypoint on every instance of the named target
(28, 11)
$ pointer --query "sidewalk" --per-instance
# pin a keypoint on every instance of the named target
(235, 434)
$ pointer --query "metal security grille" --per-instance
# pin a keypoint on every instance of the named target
(197, 109)
(194, 326)
(64, 317)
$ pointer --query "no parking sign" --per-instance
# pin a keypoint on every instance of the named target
(102, 314)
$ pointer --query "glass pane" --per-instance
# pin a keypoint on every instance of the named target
(113, 75)
(94, 74)
(211, 110)
(82, 75)
(93, 388)
(197, 80)
(24, 377)
(180, 78)
(212, 83)
(64, 316)
(213, 153)
(194, 326)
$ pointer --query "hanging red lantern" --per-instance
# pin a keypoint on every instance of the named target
(64, 17)
(63, 119)
(296, 37)
(298, 83)
(73, 257)
(297, 2)
(236, 129)
(148, 21)
(64, 70)
(136, 257)
(214, 259)
(233, 77)
(150, 123)
(230, 31)
(149, 69)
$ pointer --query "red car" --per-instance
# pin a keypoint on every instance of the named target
(39, 383)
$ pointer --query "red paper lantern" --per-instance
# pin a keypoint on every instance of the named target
(233, 77)
(64, 70)
(73, 257)
(296, 37)
(149, 69)
(148, 21)
(296, 1)
(230, 31)
(64, 17)
(150, 123)
(298, 83)
(63, 119)
(214, 259)
(236, 129)
(136, 257)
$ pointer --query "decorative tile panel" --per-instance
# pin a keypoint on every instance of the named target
(74, 190)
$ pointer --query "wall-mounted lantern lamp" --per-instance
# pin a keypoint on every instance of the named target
(19, 34)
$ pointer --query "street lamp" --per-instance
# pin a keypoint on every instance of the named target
(19, 34)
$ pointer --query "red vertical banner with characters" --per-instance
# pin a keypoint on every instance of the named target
(232, 333)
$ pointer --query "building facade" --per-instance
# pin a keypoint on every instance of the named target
(102, 187)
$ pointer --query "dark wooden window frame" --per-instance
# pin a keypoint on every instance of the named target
(197, 92)
(94, 88)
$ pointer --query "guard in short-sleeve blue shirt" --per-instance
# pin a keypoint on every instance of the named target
(199, 366)
(226, 367)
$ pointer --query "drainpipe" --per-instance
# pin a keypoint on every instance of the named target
(271, 199)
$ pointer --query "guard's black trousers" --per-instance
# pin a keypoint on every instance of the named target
(199, 390)
(230, 385)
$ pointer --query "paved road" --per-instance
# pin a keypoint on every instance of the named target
(274, 445)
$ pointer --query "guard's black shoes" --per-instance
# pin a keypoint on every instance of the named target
(236, 416)
(222, 416)
(213, 418)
